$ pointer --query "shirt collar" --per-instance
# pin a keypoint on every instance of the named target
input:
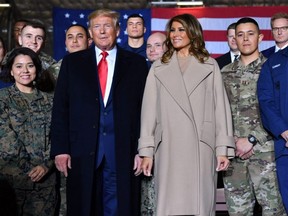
(111, 53)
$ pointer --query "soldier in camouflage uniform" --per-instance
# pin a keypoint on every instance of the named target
(252, 175)
(33, 36)
(25, 117)
(77, 38)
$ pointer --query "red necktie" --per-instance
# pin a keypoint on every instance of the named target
(103, 72)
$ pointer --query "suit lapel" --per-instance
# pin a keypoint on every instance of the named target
(118, 72)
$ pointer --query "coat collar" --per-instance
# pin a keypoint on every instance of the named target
(181, 86)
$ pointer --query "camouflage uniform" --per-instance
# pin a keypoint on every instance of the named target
(256, 176)
(148, 199)
(46, 60)
(25, 143)
(55, 69)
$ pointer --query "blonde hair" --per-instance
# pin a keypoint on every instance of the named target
(107, 13)
(278, 16)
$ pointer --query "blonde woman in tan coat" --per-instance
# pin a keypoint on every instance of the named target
(186, 127)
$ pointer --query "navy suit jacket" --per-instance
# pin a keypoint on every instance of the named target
(75, 126)
(268, 52)
(273, 98)
(223, 60)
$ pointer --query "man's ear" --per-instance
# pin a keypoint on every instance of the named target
(20, 40)
(261, 36)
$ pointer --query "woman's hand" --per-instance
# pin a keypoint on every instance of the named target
(146, 166)
(37, 173)
(222, 163)
(137, 165)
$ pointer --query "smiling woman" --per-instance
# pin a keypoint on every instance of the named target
(179, 115)
(25, 116)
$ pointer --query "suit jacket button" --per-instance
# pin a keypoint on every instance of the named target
(92, 153)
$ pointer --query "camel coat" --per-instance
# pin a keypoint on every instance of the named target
(185, 123)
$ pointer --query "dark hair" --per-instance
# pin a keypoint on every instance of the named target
(44, 80)
(231, 26)
(194, 32)
(247, 20)
(36, 24)
(81, 26)
(4, 45)
(136, 16)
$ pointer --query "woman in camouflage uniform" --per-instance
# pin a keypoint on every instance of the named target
(25, 115)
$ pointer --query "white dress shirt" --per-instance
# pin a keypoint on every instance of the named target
(111, 58)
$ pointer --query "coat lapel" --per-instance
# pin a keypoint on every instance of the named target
(171, 78)
(118, 72)
(196, 73)
(181, 87)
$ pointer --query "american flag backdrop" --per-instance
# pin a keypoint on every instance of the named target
(214, 22)
(63, 18)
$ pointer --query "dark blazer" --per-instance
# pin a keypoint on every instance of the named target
(223, 60)
(268, 52)
(75, 124)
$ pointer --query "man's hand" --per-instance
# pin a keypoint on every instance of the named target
(62, 162)
(247, 155)
(243, 146)
(285, 137)
(137, 165)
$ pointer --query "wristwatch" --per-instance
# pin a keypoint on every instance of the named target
(252, 139)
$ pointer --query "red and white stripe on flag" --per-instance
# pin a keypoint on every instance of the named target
(215, 21)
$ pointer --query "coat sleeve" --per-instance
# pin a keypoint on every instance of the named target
(60, 114)
(146, 144)
(270, 114)
(225, 144)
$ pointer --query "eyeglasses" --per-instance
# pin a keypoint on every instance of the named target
(283, 28)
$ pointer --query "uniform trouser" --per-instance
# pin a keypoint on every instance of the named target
(148, 199)
(41, 201)
(63, 200)
(254, 178)
(282, 174)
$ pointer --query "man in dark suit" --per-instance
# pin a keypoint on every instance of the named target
(95, 129)
(233, 53)
(279, 26)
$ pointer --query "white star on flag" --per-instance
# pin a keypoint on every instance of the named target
(125, 16)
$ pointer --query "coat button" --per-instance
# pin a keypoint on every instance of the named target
(92, 153)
